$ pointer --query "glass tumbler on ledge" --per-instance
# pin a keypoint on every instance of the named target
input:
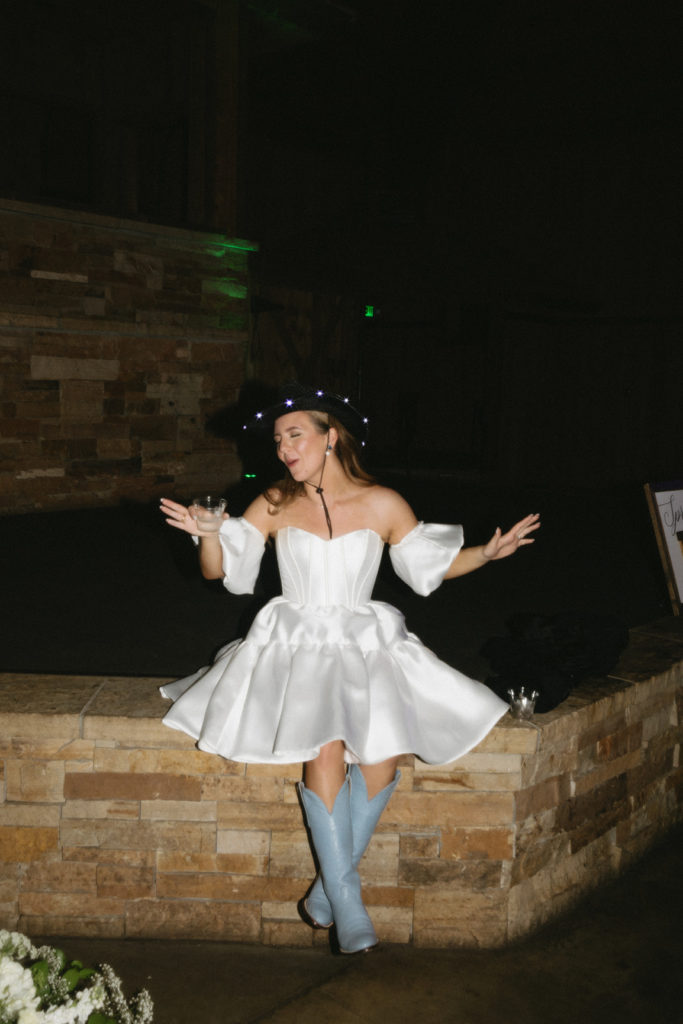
(207, 511)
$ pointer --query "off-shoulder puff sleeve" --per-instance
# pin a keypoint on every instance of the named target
(424, 555)
(242, 546)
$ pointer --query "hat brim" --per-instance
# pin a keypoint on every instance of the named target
(312, 401)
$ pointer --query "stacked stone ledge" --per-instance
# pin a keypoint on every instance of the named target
(113, 825)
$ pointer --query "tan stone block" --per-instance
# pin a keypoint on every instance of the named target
(478, 844)
(10, 877)
(77, 904)
(51, 749)
(425, 810)
(510, 737)
(639, 710)
(126, 809)
(86, 927)
(416, 847)
(38, 781)
(388, 896)
(290, 772)
(91, 855)
(590, 780)
(132, 732)
(78, 766)
(290, 855)
(236, 888)
(238, 841)
(29, 814)
(126, 786)
(56, 703)
(446, 917)
(595, 812)
(556, 888)
(9, 919)
(206, 886)
(549, 793)
(178, 810)
(538, 856)
(8, 897)
(23, 845)
(379, 865)
(277, 910)
(140, 835)
(123, 882)
(469, 782)
(244, 815)
(619, 743)
(172, 862)
(252, 789)
(549, 762)
(178, 919)
(470, 874)
(475, 761)
(64, 368)
(600, 726)
(166, 762)
(537, 828)
(289, 793)
(244, 852)
(243, 864)
(659, 723)
(82, 400)
(286, 933)
(392, 924)
(56, 876)
(529, 908)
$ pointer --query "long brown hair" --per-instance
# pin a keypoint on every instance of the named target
(347, 450)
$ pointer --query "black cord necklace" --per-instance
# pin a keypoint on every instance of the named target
(320, 492)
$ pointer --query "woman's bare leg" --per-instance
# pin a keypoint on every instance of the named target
(325, 774)
(377, 776)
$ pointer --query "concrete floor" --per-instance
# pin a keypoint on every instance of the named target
(616, 959)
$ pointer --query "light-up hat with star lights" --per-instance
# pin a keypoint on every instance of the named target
(297, 397)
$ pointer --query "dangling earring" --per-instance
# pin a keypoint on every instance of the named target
(328, 449)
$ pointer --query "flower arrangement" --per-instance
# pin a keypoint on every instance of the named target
(38, 986)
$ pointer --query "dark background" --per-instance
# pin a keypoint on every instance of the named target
(501, 181)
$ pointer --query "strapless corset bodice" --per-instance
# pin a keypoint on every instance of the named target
(323, 573)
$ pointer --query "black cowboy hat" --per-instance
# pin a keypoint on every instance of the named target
(295, 397)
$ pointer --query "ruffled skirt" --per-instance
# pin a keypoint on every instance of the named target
(306, 675)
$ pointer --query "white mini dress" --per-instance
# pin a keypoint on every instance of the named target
(324, 662)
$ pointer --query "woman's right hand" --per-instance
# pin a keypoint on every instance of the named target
(179, 517)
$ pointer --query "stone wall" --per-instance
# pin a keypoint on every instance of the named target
(113, 825)
(117, 340)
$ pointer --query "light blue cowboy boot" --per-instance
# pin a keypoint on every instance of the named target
(333, 842)
(364, 817)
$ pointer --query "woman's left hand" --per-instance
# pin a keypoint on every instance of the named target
(503, 544)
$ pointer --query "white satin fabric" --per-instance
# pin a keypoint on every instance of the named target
(324, 662)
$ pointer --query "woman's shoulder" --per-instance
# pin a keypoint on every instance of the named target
(387, 498)
(261, 511)
(393, 513)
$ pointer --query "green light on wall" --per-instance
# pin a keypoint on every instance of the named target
(250, 476)
(369, 312)
(222, 248)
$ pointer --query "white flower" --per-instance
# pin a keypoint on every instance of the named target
(20, 1000)
(17, 991)
(29, 1015)
(15, 944)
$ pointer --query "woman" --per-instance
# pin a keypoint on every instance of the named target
(326, 675)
